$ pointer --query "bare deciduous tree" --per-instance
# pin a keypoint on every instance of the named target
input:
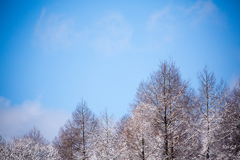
(2, 141)
(165, 92)
(107, 139)
(36, 136)
(139, 135)
(65, 141)
(211, 99)
(27, 148)
(75, 140)
(229, 128)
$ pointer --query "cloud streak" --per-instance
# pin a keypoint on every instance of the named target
(110, 34)
(202, 11)
(55, 32)
(173, 21)
(18, 119)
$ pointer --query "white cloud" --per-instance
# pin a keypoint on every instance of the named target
(155, 17)
(111, 34)
(19, 119)
(162, 26)
(173, 21)
(55, 32)
(202, 11)
(171, 15)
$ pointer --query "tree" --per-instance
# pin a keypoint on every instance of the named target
(27, 148)
(166, 93)
(229, 128)
(65, 141)
(36, 136)
(190, 139)
(107, 138)
(75, 140)
(85, 126)
(2, 145)
(122, 140)
(211, 99)
(139, 135)
(2, 141)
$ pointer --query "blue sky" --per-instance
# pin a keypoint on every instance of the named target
(54, 53)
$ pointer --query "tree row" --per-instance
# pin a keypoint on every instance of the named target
(168, 120)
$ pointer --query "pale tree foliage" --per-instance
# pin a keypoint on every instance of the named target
(166, 93)
(189, 142)
(122, 141)
(27, 149)
(2, 145)
(2, 141)
(85, 126)
(65, 142)
(211, 104)
(139, 135)
(36, 136)
(75, 140)
(229, 129)
(106, 139)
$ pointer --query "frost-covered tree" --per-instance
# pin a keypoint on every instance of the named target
(2, 141)
(75, 139)
(65, 141)
(106, 138)
(165, 92)
(28, 149)
(190, 142)
(2, 145)
(211, 105)
(85, 125)
(139, 135)
(228, 133)
(36, 136)
(122, 141)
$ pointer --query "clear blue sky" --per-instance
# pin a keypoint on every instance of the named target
(54, 53)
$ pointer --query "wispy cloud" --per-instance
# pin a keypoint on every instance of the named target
(18, 119)
(164, 23)
(155, 17)
(197, 13)
(202, 11)
(111, 34)
(172, 21)
(54, 32)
